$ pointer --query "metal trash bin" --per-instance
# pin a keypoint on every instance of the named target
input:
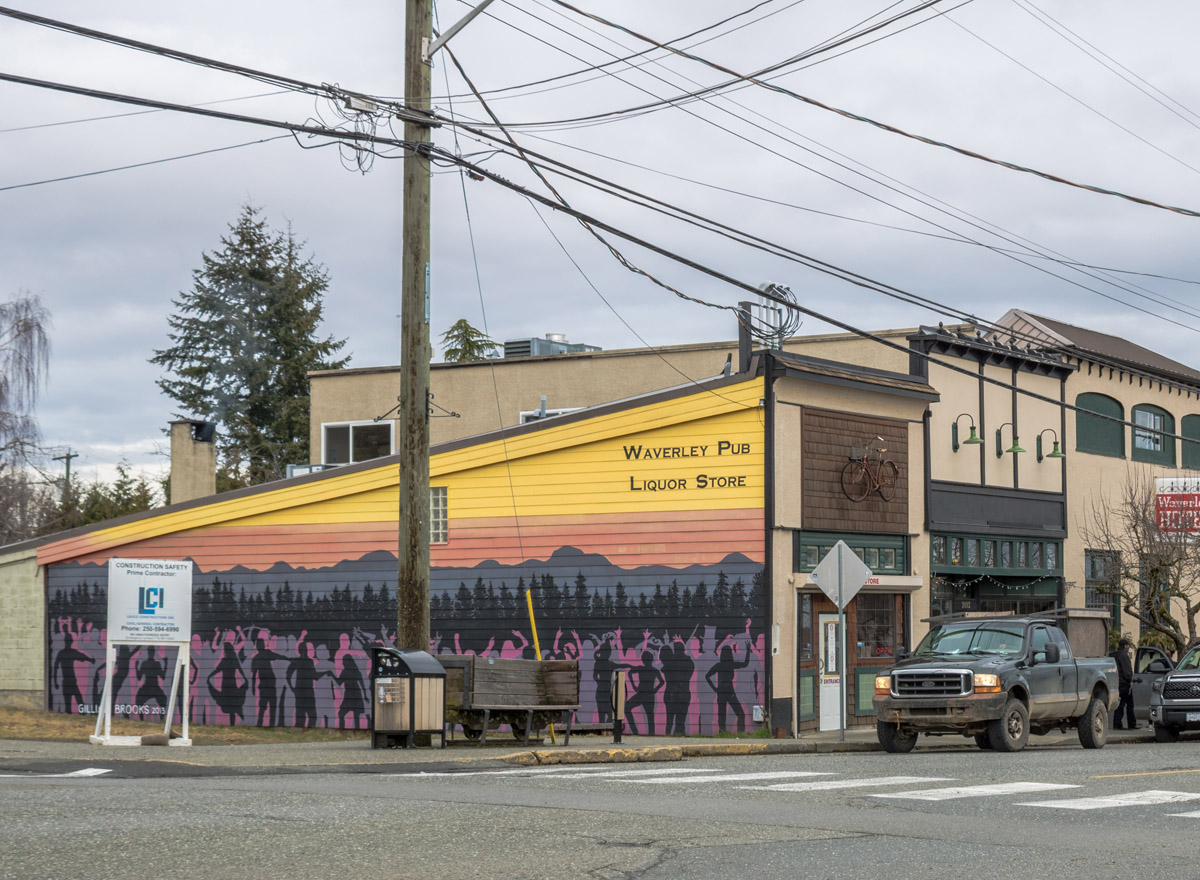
(408, 697)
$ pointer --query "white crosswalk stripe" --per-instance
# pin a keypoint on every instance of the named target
(1194, 814)
(85, 773)
(731, 777)
(1133, 799)
(833, 784)
(967, 791)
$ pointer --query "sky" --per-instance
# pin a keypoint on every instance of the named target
(1100, 92)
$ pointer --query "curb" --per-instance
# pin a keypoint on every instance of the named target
(678, 753)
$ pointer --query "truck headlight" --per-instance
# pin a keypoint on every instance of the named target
(883, 685)
(987, 683)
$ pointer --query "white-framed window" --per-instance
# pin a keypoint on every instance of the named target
(350, 442)
(536, 415)
(438, 518)
(1151, 440)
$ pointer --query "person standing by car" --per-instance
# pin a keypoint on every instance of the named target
(1124, 686)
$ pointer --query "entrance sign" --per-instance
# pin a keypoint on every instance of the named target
(149, 604)
(840, 575)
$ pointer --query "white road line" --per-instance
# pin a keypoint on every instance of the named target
(77, 774)
(966, 791)
(1133, 799)
(730, 777)
(1194, 814)
(830, 784)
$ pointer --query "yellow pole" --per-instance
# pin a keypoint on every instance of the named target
(537, 647)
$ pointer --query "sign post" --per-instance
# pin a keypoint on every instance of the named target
(840, 575)
(149, 603)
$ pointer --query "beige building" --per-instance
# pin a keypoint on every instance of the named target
(353, 415)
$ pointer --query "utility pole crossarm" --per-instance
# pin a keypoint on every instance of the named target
(428, 49)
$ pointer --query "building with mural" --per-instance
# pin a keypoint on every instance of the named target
(667, 534)
(672, 533)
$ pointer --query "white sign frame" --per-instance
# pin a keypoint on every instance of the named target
(149, 604)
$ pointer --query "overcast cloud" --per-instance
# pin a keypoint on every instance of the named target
(108, 253)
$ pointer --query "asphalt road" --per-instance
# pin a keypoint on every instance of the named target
(1061, 812)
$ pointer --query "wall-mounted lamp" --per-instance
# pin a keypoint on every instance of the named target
(1015, 448)
(1053, 453)
(972, 438)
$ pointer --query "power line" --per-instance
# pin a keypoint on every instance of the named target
(441, 155)
(754, 79)
(496, 93)
(299, 128)
(144, 164)
(135, 113)
(324, 90)
(1074, 98)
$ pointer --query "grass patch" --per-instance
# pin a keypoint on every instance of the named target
(57, 726)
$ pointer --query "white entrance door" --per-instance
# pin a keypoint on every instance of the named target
(829, 673)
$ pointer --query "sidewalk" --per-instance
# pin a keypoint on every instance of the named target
(358, 756)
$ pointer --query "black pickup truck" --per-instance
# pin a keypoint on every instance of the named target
(999, 679)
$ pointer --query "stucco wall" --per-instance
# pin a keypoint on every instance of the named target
(22, 630)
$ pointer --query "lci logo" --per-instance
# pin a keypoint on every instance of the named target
(150, 599)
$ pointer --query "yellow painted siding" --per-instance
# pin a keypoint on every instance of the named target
(576, 467)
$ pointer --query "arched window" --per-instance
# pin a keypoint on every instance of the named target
(1151, 444)
(1097, 435)
(1190, 428)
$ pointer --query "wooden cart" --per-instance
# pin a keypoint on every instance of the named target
(484, 692)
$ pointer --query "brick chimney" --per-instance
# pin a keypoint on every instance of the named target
(193, 459)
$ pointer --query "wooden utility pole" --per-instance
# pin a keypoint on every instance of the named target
(412, 594)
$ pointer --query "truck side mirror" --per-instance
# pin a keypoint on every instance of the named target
(1053, 654)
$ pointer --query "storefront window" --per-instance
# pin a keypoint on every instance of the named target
(972, 551)
(1035, 555)
(883, 554)
(1022, 555)
(1051, 557)
(876, 624)
(956, 551)
(1006, 554)
(989, 554)
(939, 550)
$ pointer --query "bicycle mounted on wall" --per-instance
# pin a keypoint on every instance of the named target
(868, 471)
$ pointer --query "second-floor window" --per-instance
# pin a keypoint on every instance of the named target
(350, 442)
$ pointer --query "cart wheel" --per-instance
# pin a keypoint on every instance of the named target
(472, 734)
(518, 729)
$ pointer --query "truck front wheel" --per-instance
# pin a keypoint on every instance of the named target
(1010, 731)
(1093, 725)
(893, 739)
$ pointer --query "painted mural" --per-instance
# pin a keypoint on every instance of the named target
(291, 646)
(638, 531)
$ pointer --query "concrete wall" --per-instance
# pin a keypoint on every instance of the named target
(22, 630)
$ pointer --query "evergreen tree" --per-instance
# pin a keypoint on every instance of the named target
(242, 343)
(462, 342)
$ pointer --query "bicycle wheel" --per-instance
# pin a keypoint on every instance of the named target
(856, 481)
(888, 474)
